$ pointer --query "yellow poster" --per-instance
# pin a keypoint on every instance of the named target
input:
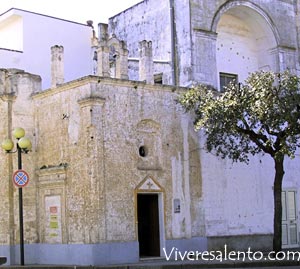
(53, 219)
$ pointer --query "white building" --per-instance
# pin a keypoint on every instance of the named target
(26, 38)
(213, 42)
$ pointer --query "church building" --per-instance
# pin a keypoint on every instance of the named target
(116, 171)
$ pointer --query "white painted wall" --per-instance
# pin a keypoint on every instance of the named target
(236, 48)
(238, 198)
(244, 43)
(11, 33)
(39, 34)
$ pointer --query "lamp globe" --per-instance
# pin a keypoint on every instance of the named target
(24, 143)
(18, 132)
(7, 144)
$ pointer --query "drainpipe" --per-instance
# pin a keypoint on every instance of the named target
(173, 45)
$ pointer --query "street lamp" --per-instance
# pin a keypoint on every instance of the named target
(23, 146)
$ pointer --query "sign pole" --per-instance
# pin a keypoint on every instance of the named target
(21, 210)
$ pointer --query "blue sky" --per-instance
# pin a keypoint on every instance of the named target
(79, 11)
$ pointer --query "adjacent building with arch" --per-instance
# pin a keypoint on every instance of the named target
(195, 41)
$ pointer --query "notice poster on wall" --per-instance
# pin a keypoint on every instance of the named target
(53, 229)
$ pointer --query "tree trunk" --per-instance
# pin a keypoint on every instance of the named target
(279, 172)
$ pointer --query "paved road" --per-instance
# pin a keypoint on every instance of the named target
(175, 265)
(210, 266)
(269, 267)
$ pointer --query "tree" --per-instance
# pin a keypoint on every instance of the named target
(260, 116)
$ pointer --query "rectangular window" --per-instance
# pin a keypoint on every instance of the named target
(158, 78)
(225, 79)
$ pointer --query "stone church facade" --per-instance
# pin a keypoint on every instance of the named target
(117, 172)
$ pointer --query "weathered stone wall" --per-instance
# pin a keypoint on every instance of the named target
(17, 110)
(134, 25)
(95, 127)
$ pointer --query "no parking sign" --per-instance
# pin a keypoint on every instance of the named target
(20, 178)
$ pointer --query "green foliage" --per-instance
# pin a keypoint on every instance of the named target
(261, 115)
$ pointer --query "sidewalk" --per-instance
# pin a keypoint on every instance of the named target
(291, 259)
(163, 264)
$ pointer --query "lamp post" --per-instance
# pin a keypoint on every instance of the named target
(23, 146)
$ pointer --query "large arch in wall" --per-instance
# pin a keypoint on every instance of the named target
(247, 40)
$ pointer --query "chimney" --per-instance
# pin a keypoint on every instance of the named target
(103, 52)
(103, 32)
(122, 61)
(146, 62)
(57, 65)
(103, 61)
(3, 75)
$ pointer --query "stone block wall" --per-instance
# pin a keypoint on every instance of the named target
(100, 124)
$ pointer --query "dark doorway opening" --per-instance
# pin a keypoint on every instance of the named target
(148, 225)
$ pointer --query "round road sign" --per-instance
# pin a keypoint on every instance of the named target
(20, 178)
